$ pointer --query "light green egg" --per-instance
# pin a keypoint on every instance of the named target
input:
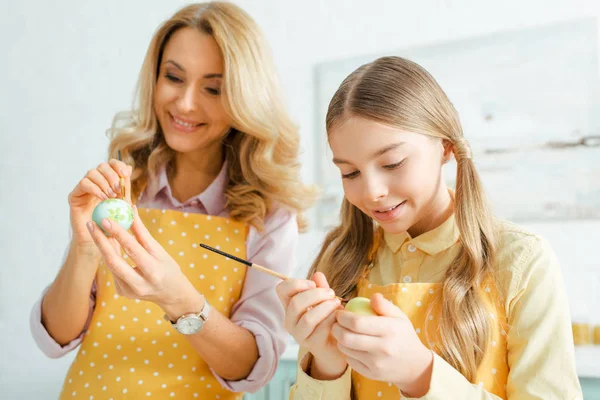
(115, 209)
(360, 306)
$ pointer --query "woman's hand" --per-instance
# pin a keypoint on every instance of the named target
(100, 183)
(157, 276)
(310, 307)
(385, 347)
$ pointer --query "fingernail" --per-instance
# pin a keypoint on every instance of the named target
(106, 224)
(123, 173)
(90, 226)
(117, 187)
(111, 193)
(331, 292)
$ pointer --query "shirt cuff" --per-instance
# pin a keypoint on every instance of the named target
(265, 367)
(445, 379)
(308, 388)
(43, 339)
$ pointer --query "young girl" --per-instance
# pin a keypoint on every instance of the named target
(211, 157)
(468, 307)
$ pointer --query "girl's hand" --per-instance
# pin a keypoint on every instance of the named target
(100, 183)
(310, 307)
(385, 347)
(157, 276)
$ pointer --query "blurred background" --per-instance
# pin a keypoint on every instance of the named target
(524, 75)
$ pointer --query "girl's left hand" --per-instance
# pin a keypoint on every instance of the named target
(385, 347)
(157, 276)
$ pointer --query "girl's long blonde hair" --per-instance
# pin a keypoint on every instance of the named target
(399, 93)
(262, 146)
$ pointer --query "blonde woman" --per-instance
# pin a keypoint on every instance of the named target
(467, 307)
(210, 156)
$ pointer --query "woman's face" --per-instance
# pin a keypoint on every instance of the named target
(187, 97)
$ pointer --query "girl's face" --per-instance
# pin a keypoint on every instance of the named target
(187, 97)
(391, 175)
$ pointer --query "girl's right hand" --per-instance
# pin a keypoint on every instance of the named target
(310, 307)
(98, 184)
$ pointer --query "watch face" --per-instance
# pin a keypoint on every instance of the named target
(189, 325)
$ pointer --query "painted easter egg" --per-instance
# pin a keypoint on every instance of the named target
(360, 306)
(115, 209)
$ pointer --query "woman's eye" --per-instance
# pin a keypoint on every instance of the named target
(213, 91)
(173, 78)
(351, 175)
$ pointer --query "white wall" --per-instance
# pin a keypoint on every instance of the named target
(67, 67)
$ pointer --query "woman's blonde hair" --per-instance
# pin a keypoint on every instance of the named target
(262, 146)
(399, 93)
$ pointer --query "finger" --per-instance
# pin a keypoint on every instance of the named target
(320, 279)
(143, 236)
(358, 366)
(291, 287)
(128, 242)
(315, 316)
(111, 176)
(99, 180)
(353, 340)
(384, 307)
(365, 325)
(86, 186)
(113, 260)
(363, 356)
(309, 298)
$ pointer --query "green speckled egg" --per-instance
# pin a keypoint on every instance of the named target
(116, 209)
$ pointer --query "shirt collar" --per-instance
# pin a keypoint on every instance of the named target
(212, 198)
(431, 242)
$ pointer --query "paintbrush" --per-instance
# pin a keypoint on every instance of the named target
(121, 179)
(254, 266)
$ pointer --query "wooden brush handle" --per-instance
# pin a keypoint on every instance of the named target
(270, 272)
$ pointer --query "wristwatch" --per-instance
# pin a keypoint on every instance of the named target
(189, 324)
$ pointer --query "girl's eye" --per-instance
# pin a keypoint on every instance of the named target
(394, 166)
(173, 78)
(351, 175)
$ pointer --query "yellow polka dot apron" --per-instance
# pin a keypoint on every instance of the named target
(129, 350)
(421, 302)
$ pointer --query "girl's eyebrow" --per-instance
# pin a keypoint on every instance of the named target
(378, 153)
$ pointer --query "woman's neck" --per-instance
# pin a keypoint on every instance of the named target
(440, 209)
(192, 174)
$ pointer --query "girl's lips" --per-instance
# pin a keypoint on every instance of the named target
(390, 214)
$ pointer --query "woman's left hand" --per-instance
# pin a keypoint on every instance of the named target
(385, 347)
(157, 276)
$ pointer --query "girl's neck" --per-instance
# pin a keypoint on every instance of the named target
(191, 174)
(440, 209)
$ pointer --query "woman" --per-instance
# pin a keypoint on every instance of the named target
(211, 157)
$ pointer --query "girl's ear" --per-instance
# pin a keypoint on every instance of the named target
(448, 153)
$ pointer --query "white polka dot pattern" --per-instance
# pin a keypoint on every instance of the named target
(128, 351)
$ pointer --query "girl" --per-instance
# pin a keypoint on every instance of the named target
(211, 157)
(468, 307)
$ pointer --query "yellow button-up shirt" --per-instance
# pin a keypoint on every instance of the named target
(539, 342)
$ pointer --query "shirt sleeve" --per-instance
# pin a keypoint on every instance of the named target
(308, 388)
(540, 343)
(258, 310)
(42, 338)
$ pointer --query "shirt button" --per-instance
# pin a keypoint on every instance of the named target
(407, 279)
(412, 248)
